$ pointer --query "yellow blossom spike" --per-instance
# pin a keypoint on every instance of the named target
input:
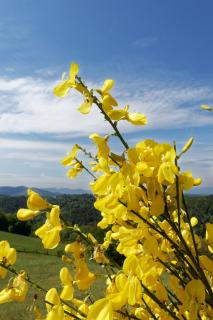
(206, 107)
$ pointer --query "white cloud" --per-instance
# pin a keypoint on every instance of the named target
(20, 144)
(29, 106)
(172, 106)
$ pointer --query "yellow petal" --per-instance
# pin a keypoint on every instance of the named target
(67, 292)
(187, 145)
(197, 182)
(136, 118)
(119, 299)
(56, 313)
(108, 100)
(65, 276)
(72, 173)
(52, 297)
(207, 263)
(196, 290)
(55, 216)
(11, 256)
(73, 72)
(206, 107)
(194, 221)
(52, 239)
(157, 206)
(117, 114)
(209, 236)
(85, 107)
(25, 214)
(62, 89)
(67, 161)
(6, 296)
(108, 85)
(166, 173)
(35, 201)
(100, 310)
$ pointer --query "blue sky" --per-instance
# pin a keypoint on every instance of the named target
(158, 52)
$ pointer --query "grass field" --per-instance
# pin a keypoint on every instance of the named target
(42, 269)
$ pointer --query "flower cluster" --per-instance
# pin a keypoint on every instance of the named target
(167, 269)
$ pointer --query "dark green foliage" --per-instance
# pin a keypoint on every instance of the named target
(76, 209)
(202, 208)
(10, 204)
(4, 223)
(79, 209)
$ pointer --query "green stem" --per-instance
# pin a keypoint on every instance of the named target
(196, 273)
(99, 105)
(177, 189)
(88, 154)
(86, 169)
(159, 303)
(191, 230)
(149, 309)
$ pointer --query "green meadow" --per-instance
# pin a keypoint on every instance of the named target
(43, 267)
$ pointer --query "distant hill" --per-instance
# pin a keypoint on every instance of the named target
(51, 192)
(44, 192)
(67, 191)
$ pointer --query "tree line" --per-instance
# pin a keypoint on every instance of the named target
(79, 209)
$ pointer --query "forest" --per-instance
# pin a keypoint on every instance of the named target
(79, 209)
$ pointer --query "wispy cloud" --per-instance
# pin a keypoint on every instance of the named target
(145, 42)
(29, 106)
